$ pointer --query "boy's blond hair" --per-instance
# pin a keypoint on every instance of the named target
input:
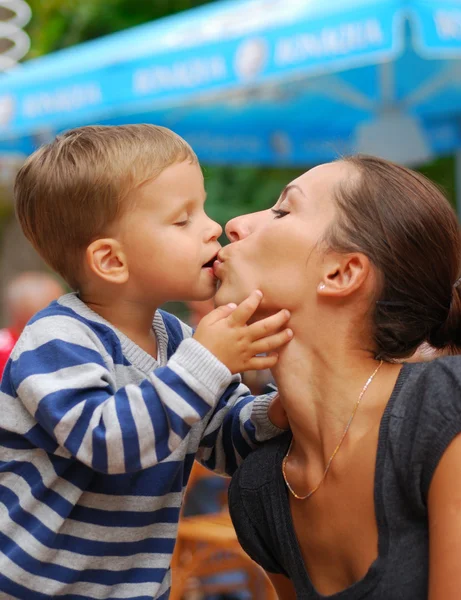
(69, 191)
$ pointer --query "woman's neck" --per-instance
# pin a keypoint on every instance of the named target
(319, 384)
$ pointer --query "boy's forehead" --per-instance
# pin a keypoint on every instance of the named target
(179, 176)
(179, 182)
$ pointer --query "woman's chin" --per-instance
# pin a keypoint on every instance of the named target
(225, 296)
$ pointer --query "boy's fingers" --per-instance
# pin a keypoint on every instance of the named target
(246, 308)
(269, 324)
(259, 363)
(272, 342)
(219, 313)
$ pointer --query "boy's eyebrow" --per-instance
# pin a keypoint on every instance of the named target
(185, 204)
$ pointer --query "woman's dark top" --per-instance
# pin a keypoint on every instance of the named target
(421, 419)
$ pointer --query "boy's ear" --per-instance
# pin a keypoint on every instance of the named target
(344, 274)
(107, 260)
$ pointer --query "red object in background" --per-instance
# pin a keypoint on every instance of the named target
(8, 339)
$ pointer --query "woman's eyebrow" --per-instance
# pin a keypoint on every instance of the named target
(288, 188)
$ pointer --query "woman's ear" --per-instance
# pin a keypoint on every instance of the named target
(344, 274)
(107, 260)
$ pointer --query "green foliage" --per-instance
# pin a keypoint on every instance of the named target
(442, 171)
(234, 191)
(57, 24)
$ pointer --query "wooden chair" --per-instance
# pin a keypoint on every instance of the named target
(207, 545)
(198, 473)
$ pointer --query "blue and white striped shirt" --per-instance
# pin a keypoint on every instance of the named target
(97, 441)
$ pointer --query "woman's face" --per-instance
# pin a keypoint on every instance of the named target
(276, 250)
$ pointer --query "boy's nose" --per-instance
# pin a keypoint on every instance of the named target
(215, 230)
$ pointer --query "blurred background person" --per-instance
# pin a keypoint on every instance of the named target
(25, 295)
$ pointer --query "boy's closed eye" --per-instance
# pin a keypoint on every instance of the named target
(182, 221)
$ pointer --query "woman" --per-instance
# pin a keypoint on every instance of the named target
(363, 499)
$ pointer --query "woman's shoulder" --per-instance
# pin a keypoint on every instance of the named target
(259, 466)
(425, 418)
(431, 387)
(254, 503)
(444, 369)
(426, 400)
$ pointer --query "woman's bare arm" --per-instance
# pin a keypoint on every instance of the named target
(444, 508)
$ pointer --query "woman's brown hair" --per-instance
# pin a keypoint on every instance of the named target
(404, 224)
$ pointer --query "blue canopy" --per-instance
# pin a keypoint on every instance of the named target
(260, 81)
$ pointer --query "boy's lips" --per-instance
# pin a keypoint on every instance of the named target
(209, 264)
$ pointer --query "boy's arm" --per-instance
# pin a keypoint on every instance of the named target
(69, 388)
(239, 422)
(65, 378)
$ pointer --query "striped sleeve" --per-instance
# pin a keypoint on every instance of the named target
(239, 422)
(62, 377)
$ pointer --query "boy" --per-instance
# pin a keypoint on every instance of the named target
(106, 400)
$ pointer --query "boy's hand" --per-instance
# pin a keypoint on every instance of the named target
(277, 415)
(225, 333)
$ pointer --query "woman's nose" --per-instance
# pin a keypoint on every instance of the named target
(238, 228)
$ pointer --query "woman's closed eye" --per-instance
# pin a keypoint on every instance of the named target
(279, 213)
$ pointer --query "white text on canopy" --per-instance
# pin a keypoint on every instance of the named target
(180, 75)
(329, 41)
(62, 100)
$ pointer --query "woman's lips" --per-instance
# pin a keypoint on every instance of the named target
(217, 267)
